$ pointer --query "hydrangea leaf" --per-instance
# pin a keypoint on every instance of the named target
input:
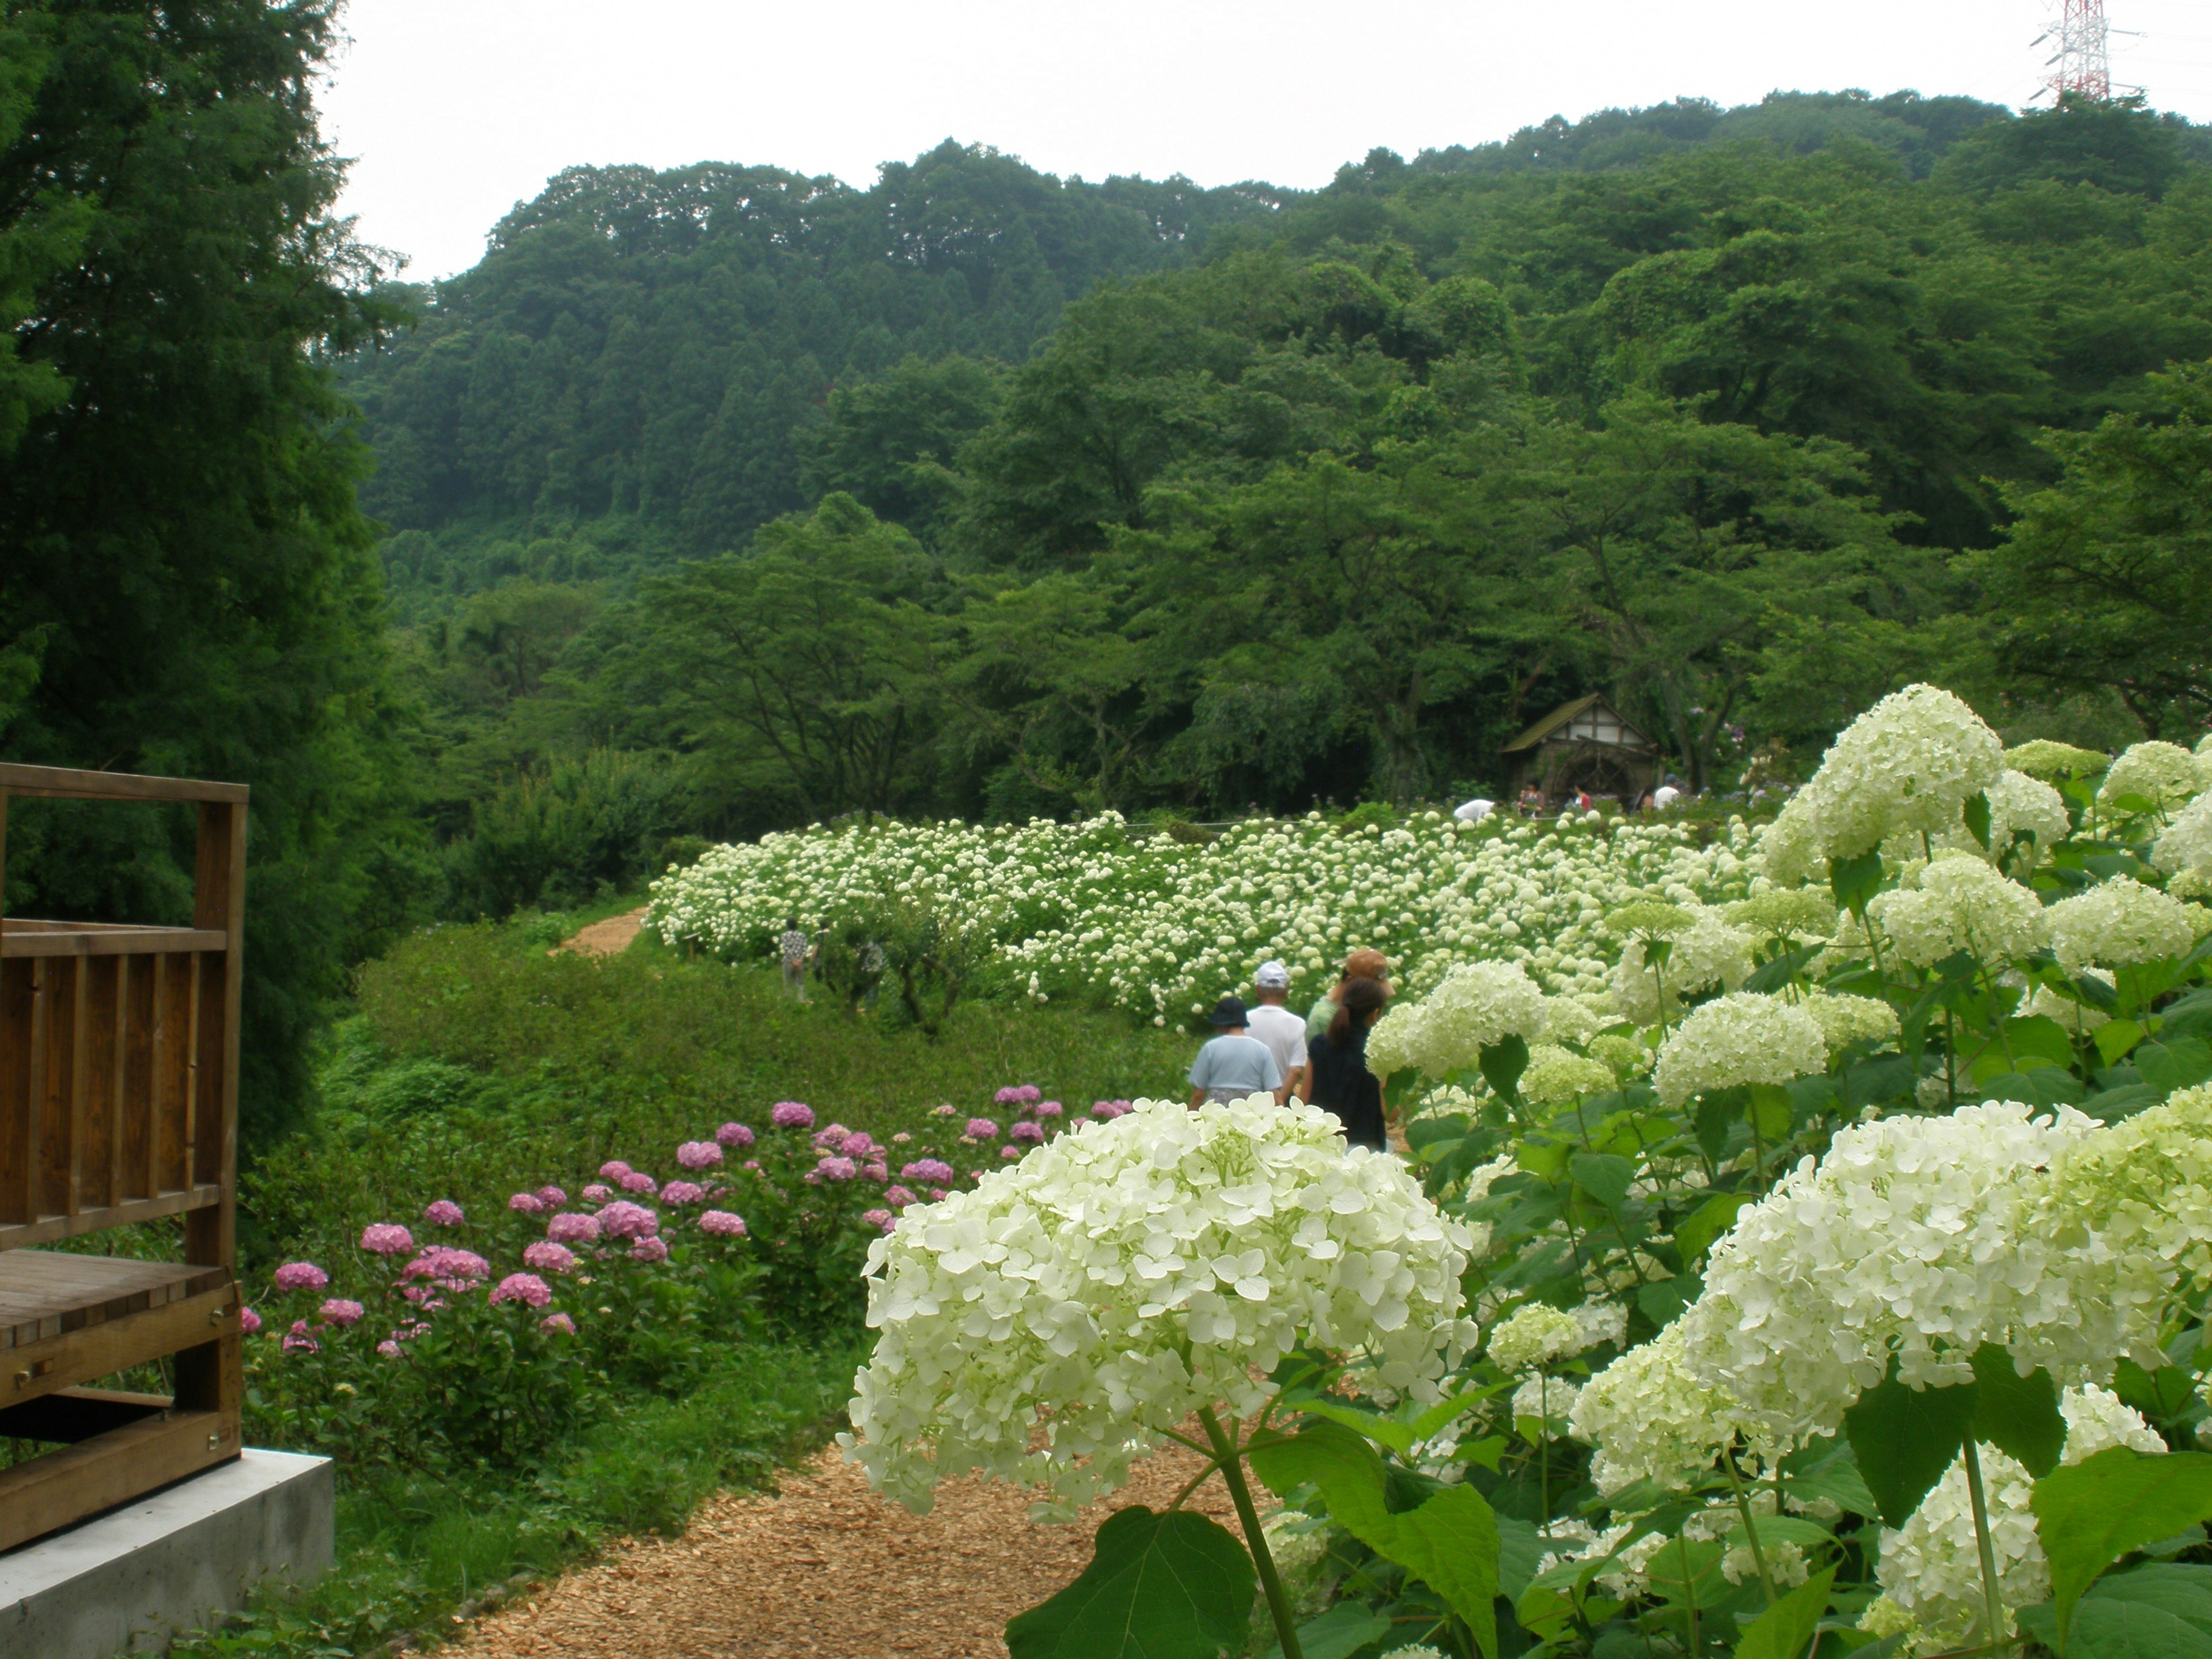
(1503, 1063)
(2151, 1612)
(2017, 1414)
(1854, 881)
(1976, 813)
(2093, 1513)
(1905, 1439)
(1711, 1220)
(1784, 1629)
(1172, 1586)
(1339, 1633)
(1604, 1175)
(1662, 1300)
(1450, 1542)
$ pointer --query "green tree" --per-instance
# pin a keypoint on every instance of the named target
(186, 584)
(890, 444)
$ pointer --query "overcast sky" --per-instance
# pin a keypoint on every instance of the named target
(454, 109)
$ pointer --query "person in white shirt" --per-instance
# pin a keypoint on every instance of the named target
(1473, 812)
(1283, 1031)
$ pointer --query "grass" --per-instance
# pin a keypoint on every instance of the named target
(416, 1552)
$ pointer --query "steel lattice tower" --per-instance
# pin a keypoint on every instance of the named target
(2081, 66)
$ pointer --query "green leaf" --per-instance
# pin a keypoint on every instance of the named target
(1712, 1219)
(1519, 1547)
(1771, 1111)
(2181, 1064)
(2091, 1514)
(1445, 1410)
(1422, 1131)
(2115, 1039)
(1854, 881)
(1716, 1113)
(1835, 1476)
(1450, 1543)
(1683, 1570)
(2017, 1414)
(1173, 1586)
(1503, 1063)
(2159, 1395)
(1663, 1299)
(1389, 1432)
(2151, 1612)
(1784, 1629)
(1977, 815)
(1905, 1439)
(1339, 1633)
(1604, 1175)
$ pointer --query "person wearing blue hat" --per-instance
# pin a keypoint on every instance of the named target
(1233, 1065)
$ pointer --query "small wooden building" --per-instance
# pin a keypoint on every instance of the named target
(1586, 744)
(118, 1104)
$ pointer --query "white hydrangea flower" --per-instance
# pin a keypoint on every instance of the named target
(1916, 1239)
(1628, 1573)
(1576, 1019)
(1711, 953)
(2144, 1187)
(1960, 904)
(1785, 1564)
(2119, 923)
(1476, 1006)
(1626, 1055)
(1600, 1323)
(2020, 804)
(1546, 1399)
(1845, 1019)
(1747, 1037)
(1650, 1419)
(2044, 758)
(2186, 843)
(1930, 1568)
(2163, 774)
(1535, 1335)
(1559, 1077)
(1784, 913)
(1479, 1180)
(1127, 1273)
(1907, 766)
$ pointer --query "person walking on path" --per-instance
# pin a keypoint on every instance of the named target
(1232, 1065)
(796, 950)
(1283, 1031)
(1360, 964)
(1341, 1081)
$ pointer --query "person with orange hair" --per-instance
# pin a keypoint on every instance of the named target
(1360, 964)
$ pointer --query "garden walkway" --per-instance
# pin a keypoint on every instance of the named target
(826, 1570)
(609, 937)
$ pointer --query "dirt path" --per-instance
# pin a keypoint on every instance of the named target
(609, 937)
(828, 1570)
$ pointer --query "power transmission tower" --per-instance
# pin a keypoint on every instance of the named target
(2081, 66)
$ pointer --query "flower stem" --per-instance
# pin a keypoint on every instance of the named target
(1992, 1608)
(1231, 1459)
(1750, 1530)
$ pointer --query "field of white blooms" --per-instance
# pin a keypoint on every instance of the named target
(1093, 913)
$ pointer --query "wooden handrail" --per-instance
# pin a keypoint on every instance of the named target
(65, 783)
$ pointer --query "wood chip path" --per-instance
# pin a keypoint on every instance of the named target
(825, 1569)
(609, 937)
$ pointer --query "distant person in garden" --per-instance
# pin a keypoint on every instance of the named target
(796, 948)
(1473, 812)
(1341, 1081)
(1283, 1031)
(1665, 795)
(1233, 1064)
(1360, 964)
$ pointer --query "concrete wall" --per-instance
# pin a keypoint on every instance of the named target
(130, 1580)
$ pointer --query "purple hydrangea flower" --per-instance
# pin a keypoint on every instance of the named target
(698, 1154)
(297, 1341)
(544, 1256)
(933, 1169)
(649, 1249)
(526, 1288)
(722, 1225)
(622, 1219)
(877, 1172)
(339, 1311)
(389, 1348)
(444, 1212)
(558, 1321)
(455, 1269)
(386, 1238)
(638, 1181)
(1004, 1152)
(1104, 1110)
(682, 1192)
(882, 1219)
(1009, 1096)
(735, 1136)
(897, 1197)
(572, 1228)
(551, 1197)
(598, 1192)
(1045, 1109)
(1026, 1130)
(526, 1204)
(980, 1128)
(791, 1114)
(614, 1169)
(301, 1276)
(249, 1322)
(836, 1169)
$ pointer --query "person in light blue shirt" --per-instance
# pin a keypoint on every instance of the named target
(1233, 1065)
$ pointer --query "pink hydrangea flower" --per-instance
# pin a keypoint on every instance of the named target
(836, 1169)
(882, 1219)
(613, 1169)
(1109, 1109)
(559, 1322)
(977, 1175)
(455, 1269)
(735, 1136)
(598, 1192)
(945, 1110)
(622, 1219)
(339, 1311)
(526, 1204)
(649, 1249)
(791, 1114)
(551, 1197)
(301, 1276)
(832, 1137)
(443, 1213)
(1026, 1130)
(297, 1341)
(753, 1164)
(386, 1238)
(897, 1197)
(638, 1181)
(571, 1228)
(861, 1149)
(900, 1139)
(1009, 1096)
(939, 1194)
(933, 1169)
(698, 1154)
(980, 1128)
(1048, 1108)
(526, 1288)
(1004, 1151)
(682, 1192)
(722, 1225)
(249, 1322)
(877, 1172)
(389, 1348)
(544, 1256)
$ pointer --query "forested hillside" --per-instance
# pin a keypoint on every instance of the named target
(725, 499)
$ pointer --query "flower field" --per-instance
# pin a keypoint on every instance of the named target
(1808, 1255)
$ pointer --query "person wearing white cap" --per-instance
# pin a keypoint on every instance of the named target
(1283, 1031)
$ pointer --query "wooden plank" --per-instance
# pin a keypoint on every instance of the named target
(175, 1070)
(60, 978)
(219, 900)
(60, 782)
(139, 1081)
(111, 993)
(17, 1009)
(80, 1099)
(56, 941)
(35, 1118)
(45, 1293)
(49, 1230)
(111, 1469)
(32, 1368)
(70, 1415)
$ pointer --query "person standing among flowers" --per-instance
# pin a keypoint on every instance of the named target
(1233, 1065)
(1283, 1031)
(1341, 1082)
(795, 948)
(1360, 964)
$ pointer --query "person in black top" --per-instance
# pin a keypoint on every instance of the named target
(1341, 1082)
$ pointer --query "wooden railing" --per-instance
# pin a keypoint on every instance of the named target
(118, 1104)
